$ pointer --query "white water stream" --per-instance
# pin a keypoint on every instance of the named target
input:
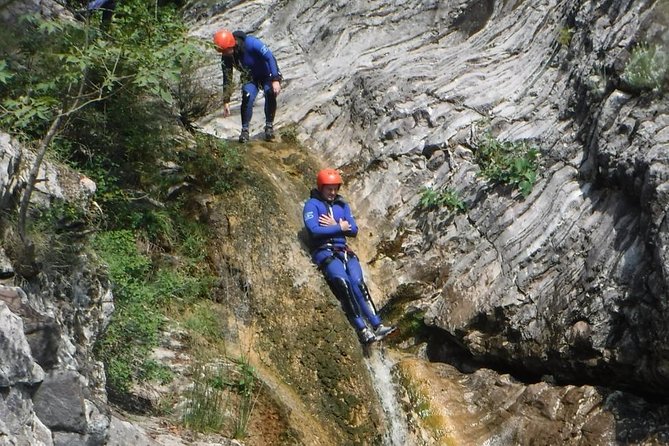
(380, 367)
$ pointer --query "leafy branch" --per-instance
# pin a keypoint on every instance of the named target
(72, 66)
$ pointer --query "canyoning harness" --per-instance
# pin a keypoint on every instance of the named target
(343, 287)
(345, 292)
(342, 252)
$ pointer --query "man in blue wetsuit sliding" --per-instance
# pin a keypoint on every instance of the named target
(328, 220)
(259, 70)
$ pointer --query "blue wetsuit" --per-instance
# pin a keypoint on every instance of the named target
(258, 68)
(96, 4)
(339, 264)
(107, 7)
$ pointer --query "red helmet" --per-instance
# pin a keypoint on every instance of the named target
(223, 39)
(328, 177)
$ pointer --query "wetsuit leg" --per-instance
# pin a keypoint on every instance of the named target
(336, 275)
(360, 291)
(270, 102)
(107, 14)
(249, 93)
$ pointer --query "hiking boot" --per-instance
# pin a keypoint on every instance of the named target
(366, 335)
(382, 331)
(244, 136)
(269, 133)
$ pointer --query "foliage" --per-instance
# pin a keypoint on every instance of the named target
(118, 90)
(203, 321)
(213, 163)
(5, 74)
(193, 99)
(414, 323)
(194, 239)
(565, 35)
(141, 291)
(223, 393)
(206, 402)
(508, 162)
(247, 387)
(433, 199)
(647, 68)
(134, 327)
(71, 65)
(58, 234)
(289, 134)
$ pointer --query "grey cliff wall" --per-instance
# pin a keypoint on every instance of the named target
(53, 392)
(571, 281)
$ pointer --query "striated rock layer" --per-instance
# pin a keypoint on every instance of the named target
(570, 281)
(568, 285)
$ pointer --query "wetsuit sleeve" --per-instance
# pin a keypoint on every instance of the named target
(310, 216)
(348, 216)
(226, 65)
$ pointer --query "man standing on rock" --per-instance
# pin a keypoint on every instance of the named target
(328, 220)
(259, 70)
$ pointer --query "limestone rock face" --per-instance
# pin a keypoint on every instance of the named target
(53, 389)
(568, 284)
(18, 365)
(571, 279)
(47, 8)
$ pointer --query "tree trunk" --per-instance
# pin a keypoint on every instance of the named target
(34, 171)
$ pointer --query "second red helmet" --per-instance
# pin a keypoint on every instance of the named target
(224, 39)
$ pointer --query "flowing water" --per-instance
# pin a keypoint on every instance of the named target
(380, 367)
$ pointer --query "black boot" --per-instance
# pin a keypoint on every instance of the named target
(269, 132)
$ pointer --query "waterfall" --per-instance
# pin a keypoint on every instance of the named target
(380, 367)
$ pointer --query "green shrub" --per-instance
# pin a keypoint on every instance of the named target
(133, 330)
(433, 199)
(61, 66)
(565, 35)
(206, 401)
(68, 80)
(214, 164)
(411, 325)
(514, 163)
(222, 398)
(194, 100)
(289, 134)
(248, 388)
(204, 321)
(647, 68)
(182, 285)
(194, 240)
(144, 289)
(5, 74)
